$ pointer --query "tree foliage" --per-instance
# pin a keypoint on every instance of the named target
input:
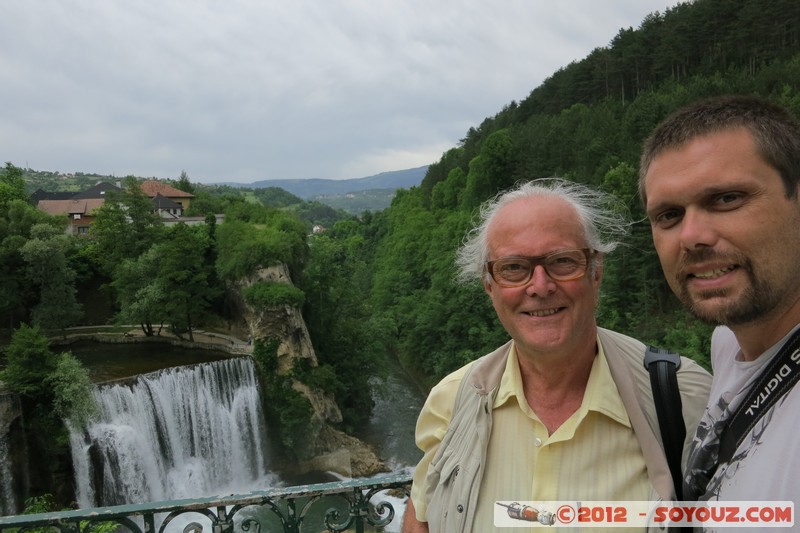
(141, 296)
(289, 410)
(270, 294)
(184, 184)
(348, 342)
(17, 294)
(12, 186)
(45, 255)
(30, 362)
(185, 278)
(125, 226)
(244, 247)
(72, 391)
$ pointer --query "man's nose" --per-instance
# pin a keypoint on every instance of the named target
(540, 284)
(697, 229)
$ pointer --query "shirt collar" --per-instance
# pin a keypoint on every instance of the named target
(601, 393)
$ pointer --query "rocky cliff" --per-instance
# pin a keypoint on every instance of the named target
(329, 449)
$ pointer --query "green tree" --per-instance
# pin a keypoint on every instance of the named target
(243, 247)
(206, 202)
(347, 341)
(140, 294)
(72, 391)
(46, 257)
(30, 363)
(185, 277)
(125, 226)
(447, 194)
(12, 186)
(492, 171)
(184, 184)
(17, 294)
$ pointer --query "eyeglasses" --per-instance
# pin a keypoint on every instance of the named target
(563, 265)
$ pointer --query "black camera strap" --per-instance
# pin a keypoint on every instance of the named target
(775, 380)
(663, 366)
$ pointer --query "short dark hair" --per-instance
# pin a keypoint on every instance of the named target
(775, 130)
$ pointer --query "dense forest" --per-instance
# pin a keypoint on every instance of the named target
(383, 283)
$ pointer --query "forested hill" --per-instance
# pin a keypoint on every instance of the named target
(586, 122)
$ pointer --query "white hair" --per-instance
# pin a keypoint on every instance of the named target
(602, 216)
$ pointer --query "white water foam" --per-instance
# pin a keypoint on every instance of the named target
(183, 432)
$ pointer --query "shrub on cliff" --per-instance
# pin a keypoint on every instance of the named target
(269, 294)
(287, 409)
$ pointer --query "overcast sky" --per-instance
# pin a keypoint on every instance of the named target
(247, 90)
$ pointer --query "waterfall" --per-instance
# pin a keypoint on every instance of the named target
(183, 432)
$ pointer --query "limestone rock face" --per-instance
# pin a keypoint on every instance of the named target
(283, 322)
(9, 410)
(329, 449)
(335, 451)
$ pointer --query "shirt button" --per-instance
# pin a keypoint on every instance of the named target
(537, 442)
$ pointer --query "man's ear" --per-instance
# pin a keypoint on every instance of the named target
(598, 271)
(487, 286)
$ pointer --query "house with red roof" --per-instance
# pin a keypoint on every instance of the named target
(167, 196)
(170, 204)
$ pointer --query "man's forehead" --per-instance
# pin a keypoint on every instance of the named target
(545, 218)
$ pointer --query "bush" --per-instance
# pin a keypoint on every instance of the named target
(30, 362)
(270, 294)
(72, 390)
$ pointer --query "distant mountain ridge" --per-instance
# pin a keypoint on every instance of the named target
(311, 188)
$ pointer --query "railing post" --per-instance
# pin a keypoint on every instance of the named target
(149, 523)
(224, 522)
(359, 508)
(291, 525)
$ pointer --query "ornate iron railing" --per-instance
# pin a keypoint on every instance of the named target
(357, 505)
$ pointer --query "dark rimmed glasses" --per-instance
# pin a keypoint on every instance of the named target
(562, 265)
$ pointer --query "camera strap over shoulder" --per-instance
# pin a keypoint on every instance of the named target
(775, 380)
(662, 366)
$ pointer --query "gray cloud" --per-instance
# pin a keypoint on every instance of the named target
(247, 90)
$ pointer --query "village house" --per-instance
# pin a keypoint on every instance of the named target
(170, 203)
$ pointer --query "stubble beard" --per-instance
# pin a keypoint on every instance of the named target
(757, 300)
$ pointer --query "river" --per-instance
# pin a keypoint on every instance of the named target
(398, 401)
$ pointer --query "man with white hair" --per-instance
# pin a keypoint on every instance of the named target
(564, 410)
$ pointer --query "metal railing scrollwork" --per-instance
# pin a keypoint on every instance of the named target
(363, 505)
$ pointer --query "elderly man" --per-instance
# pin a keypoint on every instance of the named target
(720, 181)
(564, 410)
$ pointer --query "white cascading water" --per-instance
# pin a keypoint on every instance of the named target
(183, 432)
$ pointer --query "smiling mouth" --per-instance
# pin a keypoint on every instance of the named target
(545, 312)
(712, 274)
